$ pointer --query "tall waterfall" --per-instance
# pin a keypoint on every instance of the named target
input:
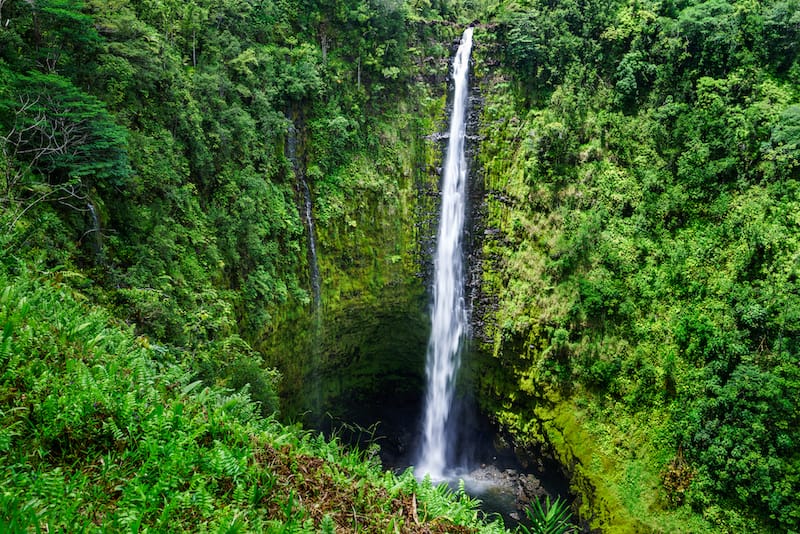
(97, 240)
(312, 247)
(448, 313)
(307, 214)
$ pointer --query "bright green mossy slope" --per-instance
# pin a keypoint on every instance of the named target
(641, 255)
(372, 216)
(103, 430)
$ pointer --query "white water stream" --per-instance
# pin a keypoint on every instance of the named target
(314, 277)
(308, 217)
(448, 313)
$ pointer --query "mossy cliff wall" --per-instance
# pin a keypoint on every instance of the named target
(516, 316)
(621, 265)
(375, 218)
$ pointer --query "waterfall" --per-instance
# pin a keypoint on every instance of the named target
(312, 246)
(313, 393)
(308, 217)
(97, 242)
(448, 312)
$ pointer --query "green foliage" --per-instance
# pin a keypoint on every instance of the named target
(540, 47)
(785, 139)
(552, 518)
(643, 257)
(62, 132)
(743, 434)
(710, 28)
(54, 35)
(232, 363)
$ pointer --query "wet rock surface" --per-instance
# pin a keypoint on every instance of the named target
(504, 491)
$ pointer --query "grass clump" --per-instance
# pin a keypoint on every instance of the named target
(550, 518)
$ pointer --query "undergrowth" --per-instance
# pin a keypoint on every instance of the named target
(550, 518)
(101, 430)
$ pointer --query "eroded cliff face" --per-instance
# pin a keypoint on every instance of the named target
(375, 219)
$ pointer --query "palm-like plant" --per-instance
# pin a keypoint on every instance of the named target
(552, 518)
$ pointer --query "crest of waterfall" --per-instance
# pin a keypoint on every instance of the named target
(448, 312)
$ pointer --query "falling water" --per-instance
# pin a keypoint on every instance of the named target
(308, 217)
(97, 242)
(313, 351)
(448, 314)
(312, 246)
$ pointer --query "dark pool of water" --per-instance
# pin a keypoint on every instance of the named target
(490, 474)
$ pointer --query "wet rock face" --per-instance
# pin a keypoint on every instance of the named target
(524, 487)
(529, 488)
(476, 206)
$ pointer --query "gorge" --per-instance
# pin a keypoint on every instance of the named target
(220, 230)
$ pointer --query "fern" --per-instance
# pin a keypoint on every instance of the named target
(112, 434)
(111, 426)
(327, 525)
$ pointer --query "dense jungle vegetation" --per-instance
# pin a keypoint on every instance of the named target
(640, 254)
(641, 161)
